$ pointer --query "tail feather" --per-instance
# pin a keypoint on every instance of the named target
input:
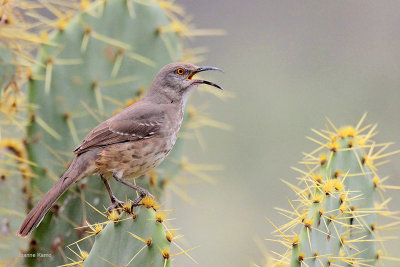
(75, 171)
(37, 214)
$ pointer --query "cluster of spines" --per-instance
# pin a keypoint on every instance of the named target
(141, 229)
(341, 197)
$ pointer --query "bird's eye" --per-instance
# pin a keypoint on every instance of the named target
(180, 71)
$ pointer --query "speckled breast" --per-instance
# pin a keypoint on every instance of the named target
(133, 159)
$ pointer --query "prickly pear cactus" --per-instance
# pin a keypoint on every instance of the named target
(340, 202)
(96, 63)
(14, 175)
(137, 239)
(14, 168)
(7, 69)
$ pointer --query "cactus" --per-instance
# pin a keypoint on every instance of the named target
(14, 164)
(14, 170)
(14, 175)
(11, 99)
(97, 61)
(7, 69)
(137, 239)
(340, 203)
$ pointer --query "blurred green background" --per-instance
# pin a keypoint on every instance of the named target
(290, 64)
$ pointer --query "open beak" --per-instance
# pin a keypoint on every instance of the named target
(204, 68)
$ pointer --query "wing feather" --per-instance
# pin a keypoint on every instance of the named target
(136, 122)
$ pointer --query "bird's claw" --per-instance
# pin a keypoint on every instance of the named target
(142, 194)
(116, 205)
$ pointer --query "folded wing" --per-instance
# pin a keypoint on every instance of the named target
(139, 121)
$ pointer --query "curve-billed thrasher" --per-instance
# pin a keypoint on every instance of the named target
(132, 142)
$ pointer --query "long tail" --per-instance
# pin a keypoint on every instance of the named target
(77, 170)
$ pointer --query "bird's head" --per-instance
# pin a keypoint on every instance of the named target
(174, 81)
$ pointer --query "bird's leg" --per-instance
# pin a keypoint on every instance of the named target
(115, 203)
(141, 191)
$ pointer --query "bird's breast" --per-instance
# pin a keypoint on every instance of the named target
(133, 159)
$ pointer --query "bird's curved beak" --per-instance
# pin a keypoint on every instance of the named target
(204, 68)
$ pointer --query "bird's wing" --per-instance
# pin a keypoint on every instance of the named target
(136, 122)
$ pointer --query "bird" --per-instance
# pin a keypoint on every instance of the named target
(130, 143)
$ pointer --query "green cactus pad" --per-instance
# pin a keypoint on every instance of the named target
(343, 185)
(7, 69)
(13, 197)
(140, 241)
(104, 56)
(339, 204)
(333, 221)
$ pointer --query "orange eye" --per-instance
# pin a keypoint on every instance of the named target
(180, 71)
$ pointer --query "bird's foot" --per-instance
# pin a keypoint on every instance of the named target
(141, 191)
(142, 194)
(116, 205)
